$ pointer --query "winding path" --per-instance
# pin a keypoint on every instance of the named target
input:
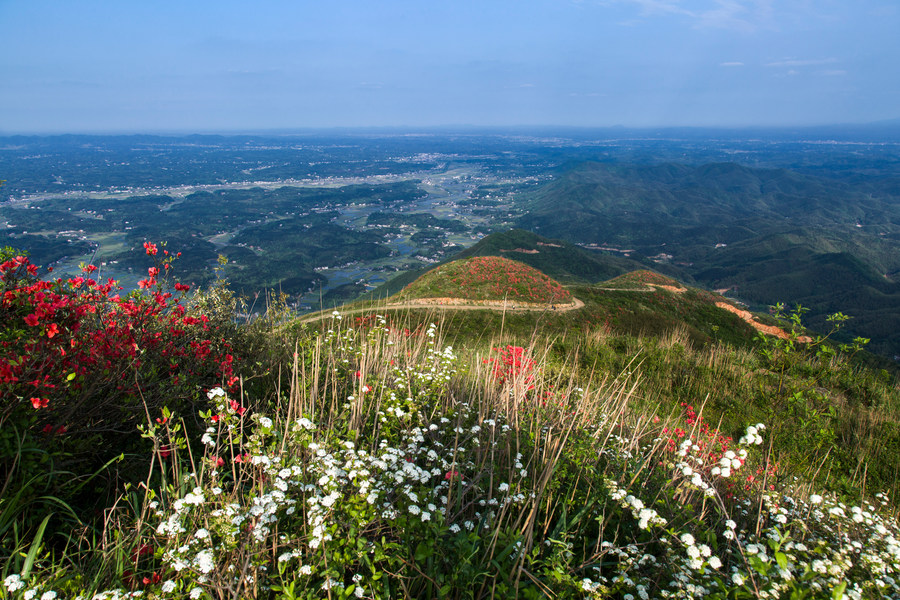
(455, 304)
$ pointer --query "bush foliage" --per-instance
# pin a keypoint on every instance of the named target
(379, 456)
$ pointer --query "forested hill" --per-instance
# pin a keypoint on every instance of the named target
(765, 235)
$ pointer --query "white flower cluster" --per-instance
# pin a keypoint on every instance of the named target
(729, 463)
(751, 435)
(645, 516)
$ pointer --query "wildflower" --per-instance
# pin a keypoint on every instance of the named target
(815, 499)
(195, 593)
(13, 583)
(205, 562)
(737, 578)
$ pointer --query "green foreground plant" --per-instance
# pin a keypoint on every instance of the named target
(394, 466)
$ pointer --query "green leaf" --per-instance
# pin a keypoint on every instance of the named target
(423, 551)
(70, 376)
(839, 591)
(781, 559)
(35, 547)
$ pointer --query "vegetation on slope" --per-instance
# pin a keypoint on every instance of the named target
(487, 278)
(561, 260)
(766, 234)
(558, 259)
(385, 456)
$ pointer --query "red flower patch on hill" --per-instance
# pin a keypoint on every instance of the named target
(489, 278)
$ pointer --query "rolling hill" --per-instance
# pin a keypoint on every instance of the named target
(561, 260)
(487, 278)
(765, 235)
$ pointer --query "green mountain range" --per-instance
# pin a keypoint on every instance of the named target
(764, 235)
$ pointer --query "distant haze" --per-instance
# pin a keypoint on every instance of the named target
(114, 66)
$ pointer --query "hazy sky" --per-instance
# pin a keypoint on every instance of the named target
(196, 65)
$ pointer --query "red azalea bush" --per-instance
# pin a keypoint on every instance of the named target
(512, 365)
(515, 369)
(81, 364)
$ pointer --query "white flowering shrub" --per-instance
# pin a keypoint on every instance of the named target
(394, 468)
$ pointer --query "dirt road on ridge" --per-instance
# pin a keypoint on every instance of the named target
(456, 304)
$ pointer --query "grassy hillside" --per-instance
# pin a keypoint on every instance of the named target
(647, 444)
(488, 278)
(561, 260)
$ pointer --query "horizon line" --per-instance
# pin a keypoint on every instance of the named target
(300, 130)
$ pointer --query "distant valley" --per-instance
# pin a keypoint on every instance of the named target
(326, 218)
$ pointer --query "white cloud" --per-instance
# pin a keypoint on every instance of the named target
(731, 64)
(661, 7)
(742, 15)
(794, 62)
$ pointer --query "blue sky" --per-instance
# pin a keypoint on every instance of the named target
(196, 65)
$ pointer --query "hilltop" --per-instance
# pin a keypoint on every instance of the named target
(487, 278)
(561, 260)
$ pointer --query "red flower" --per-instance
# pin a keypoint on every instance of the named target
(40, 402)
(52, 329)
(150, 248)
(32, 320)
